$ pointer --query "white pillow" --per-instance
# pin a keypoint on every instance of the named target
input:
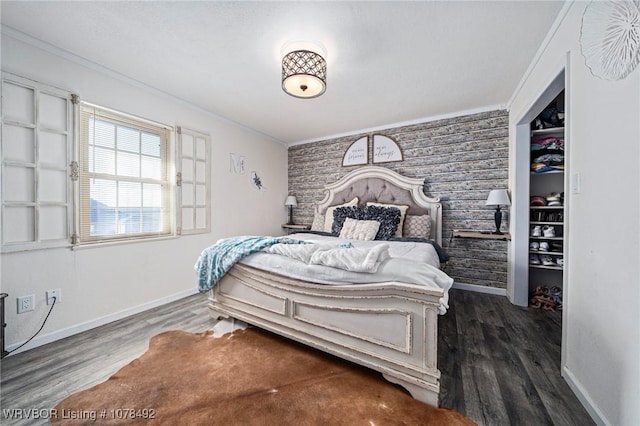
(403, 211)
(328, 215)
(318, 222)
(359, 229)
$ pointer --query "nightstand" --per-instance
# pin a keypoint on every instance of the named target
(293, 228)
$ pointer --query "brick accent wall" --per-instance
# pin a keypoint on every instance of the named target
(462, 159)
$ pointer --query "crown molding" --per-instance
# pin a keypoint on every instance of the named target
(7, 31)
(403, 123)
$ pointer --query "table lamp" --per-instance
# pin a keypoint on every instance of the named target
(498, 197)
(291, 202)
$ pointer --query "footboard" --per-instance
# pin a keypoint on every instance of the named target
(389, 327)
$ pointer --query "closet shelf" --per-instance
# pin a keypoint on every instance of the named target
(550, 253)
(553, 268)
(546, 238)
(548, 131)
(546, 207)
(549, 172)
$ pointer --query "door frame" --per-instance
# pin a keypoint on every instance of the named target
(518, 269)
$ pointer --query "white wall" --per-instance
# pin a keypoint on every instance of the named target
(104, 283)
(602, 295)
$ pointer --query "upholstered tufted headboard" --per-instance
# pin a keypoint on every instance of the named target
(379, 184)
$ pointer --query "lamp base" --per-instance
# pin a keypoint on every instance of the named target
(498, 219)
(290, 216)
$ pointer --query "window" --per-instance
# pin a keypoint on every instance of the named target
(76, 173)
(124, 185)
(36, 153)
(193, 171)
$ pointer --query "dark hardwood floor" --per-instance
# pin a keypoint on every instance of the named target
(500, 364)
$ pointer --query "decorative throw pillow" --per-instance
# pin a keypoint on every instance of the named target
(354, 229)
(340, 214)
(318, 222)
(328, 215)
(389, 218)
(403, 211)
(418, 226)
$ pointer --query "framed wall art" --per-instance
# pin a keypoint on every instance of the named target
(236, 163)
(357, 153)
(385, 149)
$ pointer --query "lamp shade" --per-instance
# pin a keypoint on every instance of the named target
(498, 197)
(291, 201)
(304, 74)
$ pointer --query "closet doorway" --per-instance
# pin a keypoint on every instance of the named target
(524, 273)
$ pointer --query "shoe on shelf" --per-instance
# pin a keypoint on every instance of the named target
(560, 261)
(554, 196)
(548, 231)
(554, 199)
(547, 260)
(544, 246)
(537, 200)
(536, 231)
(534, 246)
(556, 247)
(534, 259)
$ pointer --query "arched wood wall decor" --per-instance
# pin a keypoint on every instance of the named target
(357, 153)
(385, 150)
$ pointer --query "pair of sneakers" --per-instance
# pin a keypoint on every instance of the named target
(546, 231)
(536, 246)
(545, 260)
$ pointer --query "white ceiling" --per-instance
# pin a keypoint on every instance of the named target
(388, 62)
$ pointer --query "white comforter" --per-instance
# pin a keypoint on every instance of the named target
(407, 262)
(349, 258)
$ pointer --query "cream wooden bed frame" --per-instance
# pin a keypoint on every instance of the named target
(389, 327)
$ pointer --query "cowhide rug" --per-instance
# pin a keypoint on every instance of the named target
(248, 377)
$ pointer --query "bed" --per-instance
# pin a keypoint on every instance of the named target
(388, 326)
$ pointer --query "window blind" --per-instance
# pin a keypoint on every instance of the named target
(124, 187)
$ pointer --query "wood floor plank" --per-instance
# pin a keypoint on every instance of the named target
(500, 363)
(521, 399)
(522, 348)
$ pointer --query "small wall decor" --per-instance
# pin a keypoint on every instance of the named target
(357, 153)
(257, 182)
(610, 38)
(236, 163)
(385, 149)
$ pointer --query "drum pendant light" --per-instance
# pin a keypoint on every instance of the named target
(304, 73)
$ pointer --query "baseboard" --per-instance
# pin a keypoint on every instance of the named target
(584, 398)
(79, 328)
(480, 288)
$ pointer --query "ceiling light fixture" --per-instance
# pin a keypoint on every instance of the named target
(304, 70)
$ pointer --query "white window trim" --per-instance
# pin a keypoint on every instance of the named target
(72, 133)
(170, 161)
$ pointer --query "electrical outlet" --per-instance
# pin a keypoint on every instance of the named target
(57, 293)
(26, 303)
